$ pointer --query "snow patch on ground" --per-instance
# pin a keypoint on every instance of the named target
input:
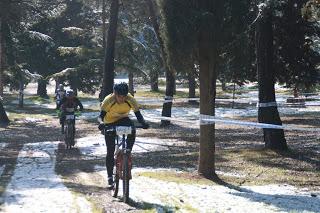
(3, 145)
(88, 115)
(36, 105)
(190, 114)
(1, 169)
(35, 187)
(170, 196)
(30, 120)
(94, 146)
(90, 104)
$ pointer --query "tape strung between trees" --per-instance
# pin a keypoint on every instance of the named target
(208, 119)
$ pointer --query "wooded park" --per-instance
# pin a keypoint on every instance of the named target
(230, 90)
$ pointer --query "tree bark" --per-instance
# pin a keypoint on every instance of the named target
(223, 85)
(104, 25)
(207, 61)
(170, 77)
(154, 82)
(3, 115)
(131, 87)
(108, 77)
(167, 105)
(192, 83)
(42, 89)
(21, 93)
(267, 112)
(2, 53)
(207, 107)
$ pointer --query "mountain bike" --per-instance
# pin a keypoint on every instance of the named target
(123, 161)
(69, 130)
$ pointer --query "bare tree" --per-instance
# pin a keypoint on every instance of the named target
(170, 76)
(108, 76)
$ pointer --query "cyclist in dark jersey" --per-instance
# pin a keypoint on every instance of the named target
(68, 104)
(115, 110)
(60, 93)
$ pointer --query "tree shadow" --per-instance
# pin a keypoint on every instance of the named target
(146, 206)
(285, 202)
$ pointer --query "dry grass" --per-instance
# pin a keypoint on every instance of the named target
(240, 155)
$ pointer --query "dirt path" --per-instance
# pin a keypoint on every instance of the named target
(39, 147)
(240, 161)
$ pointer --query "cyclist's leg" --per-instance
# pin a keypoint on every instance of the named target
(74, 126)
(110, 143)
(62, 121)
(131, 139)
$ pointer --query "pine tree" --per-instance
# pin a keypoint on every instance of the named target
(295, 58)
(268, 111)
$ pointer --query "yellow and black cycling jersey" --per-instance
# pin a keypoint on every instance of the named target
(117, 111)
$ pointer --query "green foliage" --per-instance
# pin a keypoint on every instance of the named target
(296, 60)
(74, 46)
(137, 47)
(228, 27)
(237, 55)
(311, 10)
(180, 27)
(15, 75)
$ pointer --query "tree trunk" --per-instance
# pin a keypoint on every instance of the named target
(42, 89)
(104, 28)
(131, 87)
(207, 61)
(170, 78)
(154, 83)
(2, 53)
(268, 111)
(167, 105)
(207, 107)
(74, 83)
(3, 115)
(108, 76)
(21, 93)
(104, 25)
(223, 85)
(295, 91)
(192, 83)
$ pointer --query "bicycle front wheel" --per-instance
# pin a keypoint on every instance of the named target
(126, 178)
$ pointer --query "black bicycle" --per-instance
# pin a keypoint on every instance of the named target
(123, 160)
(69, 129)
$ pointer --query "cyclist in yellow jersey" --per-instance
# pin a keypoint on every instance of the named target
(115, 110)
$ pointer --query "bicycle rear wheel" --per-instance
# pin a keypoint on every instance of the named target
(125, 178)
(69, 135)
(115, 189)
(66, 135)
(72, 133)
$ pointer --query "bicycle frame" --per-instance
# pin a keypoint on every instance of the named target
(122, 161)
(70, 130)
